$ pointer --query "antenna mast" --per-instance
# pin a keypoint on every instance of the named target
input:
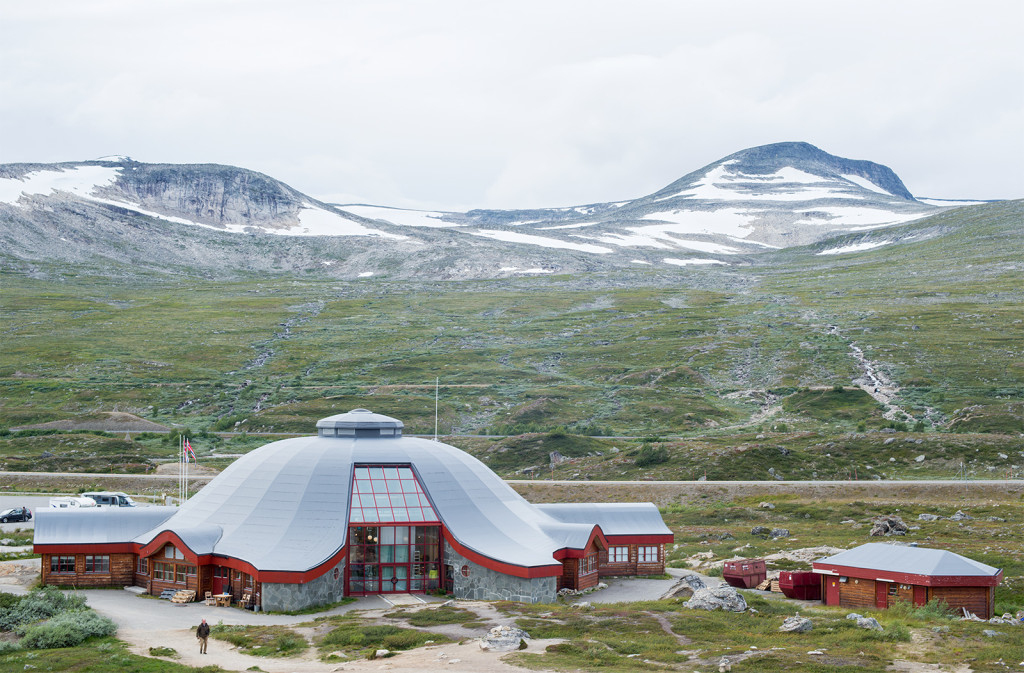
(437, 384)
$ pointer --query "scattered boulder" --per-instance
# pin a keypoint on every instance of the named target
(685, 587)
(869, 623)
(381, 654)
(766, 505)
(928, 517)
(504, 639)
(887, 525)
(760, 530)
(779, 532)
(774, 475)
(722, 597)
(960, 516)
(889, 440)
(796, 624)
(919, 459)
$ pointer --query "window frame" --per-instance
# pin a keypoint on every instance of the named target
(59, 564)
(97, 564)
(644, 552)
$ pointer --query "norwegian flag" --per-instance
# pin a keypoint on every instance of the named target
(189, 452)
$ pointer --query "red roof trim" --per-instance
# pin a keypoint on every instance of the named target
(657, 538)
(506, 568)
(912, 578)
(169, 536)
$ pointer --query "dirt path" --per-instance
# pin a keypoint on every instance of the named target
(464, 656)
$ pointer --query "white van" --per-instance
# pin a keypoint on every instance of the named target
(110, 498)
(71, 502)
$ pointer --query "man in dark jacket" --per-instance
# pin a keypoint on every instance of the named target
(202, 633)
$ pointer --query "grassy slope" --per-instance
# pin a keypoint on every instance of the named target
(696, 354)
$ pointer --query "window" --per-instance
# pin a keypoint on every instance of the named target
(389, 494)
(618, 555)
(893, 590)
(170, 551)
(588, 564)
(647, 554)
(97, 564)
(163, 572)
(62, 564)
(143, 566)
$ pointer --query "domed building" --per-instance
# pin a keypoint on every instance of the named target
(356, 509)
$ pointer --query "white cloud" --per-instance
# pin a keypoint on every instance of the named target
(455, 104)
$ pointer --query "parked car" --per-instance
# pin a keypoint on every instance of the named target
(15, 514)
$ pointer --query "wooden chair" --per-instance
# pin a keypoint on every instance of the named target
(246, 600)
(210, 600)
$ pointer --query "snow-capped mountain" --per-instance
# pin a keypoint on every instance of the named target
(216, 219)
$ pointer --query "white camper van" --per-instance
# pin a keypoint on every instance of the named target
(71, 502)
(110, 499)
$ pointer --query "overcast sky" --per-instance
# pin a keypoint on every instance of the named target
(461, 104)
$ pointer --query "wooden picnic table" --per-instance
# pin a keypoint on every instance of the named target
(223, 600)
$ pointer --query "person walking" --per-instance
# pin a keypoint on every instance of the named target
(203, 633)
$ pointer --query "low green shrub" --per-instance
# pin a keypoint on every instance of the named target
(67, 630)
(7, 646)
(37, 605)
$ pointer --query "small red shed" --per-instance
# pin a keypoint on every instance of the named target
(877, 575)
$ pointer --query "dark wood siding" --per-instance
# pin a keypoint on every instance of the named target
(121, 572)
(976, 599)
(857, 593)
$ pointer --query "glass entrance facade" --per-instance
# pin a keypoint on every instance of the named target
(394, 533)
(394, 559)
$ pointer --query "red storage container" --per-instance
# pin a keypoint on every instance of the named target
(745, 573)
(803, 585)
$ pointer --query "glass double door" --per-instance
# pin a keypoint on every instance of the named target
(393, 559)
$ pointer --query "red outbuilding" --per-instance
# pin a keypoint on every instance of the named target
(877, 575)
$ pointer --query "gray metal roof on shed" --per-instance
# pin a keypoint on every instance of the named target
(904, 559)
(285, 506)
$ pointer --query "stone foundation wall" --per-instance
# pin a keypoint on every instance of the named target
(484, 584)
(321, 591)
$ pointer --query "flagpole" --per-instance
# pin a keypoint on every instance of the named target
(181, 452)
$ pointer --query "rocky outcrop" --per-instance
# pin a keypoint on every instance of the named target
(722, 597)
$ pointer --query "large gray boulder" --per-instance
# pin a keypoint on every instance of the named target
(887, 525)
(685, 587)
(796, 624)
(722, 597)
(504, 639)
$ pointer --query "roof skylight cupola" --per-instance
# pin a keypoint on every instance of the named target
(360, 423)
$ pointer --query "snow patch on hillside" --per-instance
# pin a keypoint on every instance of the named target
(693, 261)
(577, 225)
(80, 181)
(405, 218)
(319, 222)
(855, 247)
(543, 241)
(946, 203)
(866, 184)
(786, 184)
(859, 218)
(725, 221)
